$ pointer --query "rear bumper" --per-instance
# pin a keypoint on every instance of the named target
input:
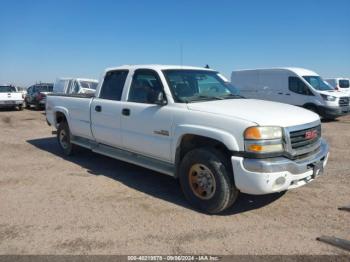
(11, 103)
(264, 176)
(333, 112)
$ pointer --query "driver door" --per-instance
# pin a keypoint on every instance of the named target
(146, 125)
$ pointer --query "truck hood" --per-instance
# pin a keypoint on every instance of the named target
(335, 93)
(263, 113)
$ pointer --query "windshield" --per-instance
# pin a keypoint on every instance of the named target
(344, 83)
(318, 83)
(7, 89)
(44, 88)
(88, 84)
(198, 85)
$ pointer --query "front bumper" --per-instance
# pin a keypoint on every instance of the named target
(264, 176)
(333, 112)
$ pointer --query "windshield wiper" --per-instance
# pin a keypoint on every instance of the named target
(231, 96)
(205, 98)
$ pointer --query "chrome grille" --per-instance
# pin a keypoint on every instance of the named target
(344, 101)
(301, 140)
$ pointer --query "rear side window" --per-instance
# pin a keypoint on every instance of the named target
(113, 84)
(344, 83)
(298, 86)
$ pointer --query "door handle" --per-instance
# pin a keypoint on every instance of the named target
(98, 108)
(280, 93)
(126, 111)
(287, 94)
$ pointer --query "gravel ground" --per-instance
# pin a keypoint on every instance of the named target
(91, 204)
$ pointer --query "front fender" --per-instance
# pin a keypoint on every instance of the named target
(222, 136)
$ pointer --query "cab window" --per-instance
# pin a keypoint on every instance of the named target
(145, 87)
(113, 85)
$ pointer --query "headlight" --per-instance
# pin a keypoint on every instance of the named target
(328, 98)
(263, 132)
(263, 139)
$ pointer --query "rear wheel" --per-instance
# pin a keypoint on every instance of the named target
(63, 138)
(207, 180)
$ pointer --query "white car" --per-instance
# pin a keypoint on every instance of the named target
(75, 86)
(189, 123)
(341, 84)
(296, 86)
(10, 97)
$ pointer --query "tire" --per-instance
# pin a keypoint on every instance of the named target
(63, 138)
(27, 105)
(20, 107)
(219, 191)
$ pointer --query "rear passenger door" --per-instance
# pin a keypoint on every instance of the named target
(106, 109)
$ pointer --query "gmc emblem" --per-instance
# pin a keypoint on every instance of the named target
(311, 134)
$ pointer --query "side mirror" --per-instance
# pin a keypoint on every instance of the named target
(160, 99)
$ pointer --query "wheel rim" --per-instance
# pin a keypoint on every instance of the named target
(202, 181)
(63, 139)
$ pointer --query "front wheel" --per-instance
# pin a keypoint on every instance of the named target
(207, 181)
(63, 138)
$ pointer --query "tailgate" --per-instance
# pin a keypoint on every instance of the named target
(11, 96)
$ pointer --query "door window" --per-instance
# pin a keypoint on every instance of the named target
(145, 87)
(113, 85)
(298, 86)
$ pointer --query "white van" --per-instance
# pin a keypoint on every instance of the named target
(296, 86)
(75, 86)
(342, 84)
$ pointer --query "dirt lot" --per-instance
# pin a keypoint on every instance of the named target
(91, 204)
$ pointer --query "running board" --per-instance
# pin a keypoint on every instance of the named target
(127, 156)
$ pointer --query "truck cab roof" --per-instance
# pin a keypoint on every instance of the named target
(157, 67)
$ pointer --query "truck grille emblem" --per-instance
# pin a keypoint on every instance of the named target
(311, 134)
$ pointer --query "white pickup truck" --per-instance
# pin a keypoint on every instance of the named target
(191, 124)
(10, 97)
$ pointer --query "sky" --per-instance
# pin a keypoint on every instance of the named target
(45, 39)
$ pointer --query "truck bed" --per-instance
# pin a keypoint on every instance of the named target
(78, 111)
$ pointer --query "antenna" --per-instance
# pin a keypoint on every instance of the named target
(181, 54)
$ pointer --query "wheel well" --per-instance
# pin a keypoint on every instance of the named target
(60, 117)
(309, 105)
(189, 142)
(312, 107)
